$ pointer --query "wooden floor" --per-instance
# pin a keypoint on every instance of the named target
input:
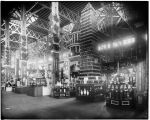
(25, 107)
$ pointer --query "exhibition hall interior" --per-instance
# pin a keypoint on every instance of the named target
(74, 60)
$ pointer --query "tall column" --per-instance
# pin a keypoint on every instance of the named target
(7, 51)
(146, 66)
(140, 81)
(23, 46)
(16, 66)
(141, 74)
(54, 39)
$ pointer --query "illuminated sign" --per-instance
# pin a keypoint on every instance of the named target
(116, 44)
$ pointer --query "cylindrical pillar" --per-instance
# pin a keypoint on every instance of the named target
(23, 47)
(140, 84)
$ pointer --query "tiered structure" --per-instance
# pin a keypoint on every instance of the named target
(89, 86)
(90, 65)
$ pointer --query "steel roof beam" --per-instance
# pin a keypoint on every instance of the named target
(105, 15)
(40, 23)
(64, 12)
(31, 8)
(16, 28)
(44, 24)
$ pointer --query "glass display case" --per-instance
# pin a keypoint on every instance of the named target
(37, 82)
(120, 91)
(61, 91)
(91, 90)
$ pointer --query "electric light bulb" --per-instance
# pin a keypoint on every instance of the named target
(115, 44)
(108, 46)
(145, 37)
(99, 48)
(119, 43)
(125, 42)
(40, 61)
(104, 46)
(50, 59)
(128, 40)
(132, 40)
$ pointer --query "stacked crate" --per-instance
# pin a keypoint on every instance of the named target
(90, 65)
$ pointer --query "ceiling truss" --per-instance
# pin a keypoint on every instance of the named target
(110, 16)
(103, 15)
(65, 12)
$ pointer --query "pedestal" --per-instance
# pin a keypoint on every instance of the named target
(142, 102)
(9, 89)
(35, 91)
(46, 91)
(21, 90)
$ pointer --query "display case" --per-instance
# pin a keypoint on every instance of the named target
(61, 91)
(35, 87)
(35, 91)
(37, 82)
(120, 92)
(41, 82)
(90, 91)
(72, 89)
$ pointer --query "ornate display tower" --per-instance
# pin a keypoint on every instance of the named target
(54, 39)
(90, 64)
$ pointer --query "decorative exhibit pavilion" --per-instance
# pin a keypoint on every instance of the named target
(76, 48)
